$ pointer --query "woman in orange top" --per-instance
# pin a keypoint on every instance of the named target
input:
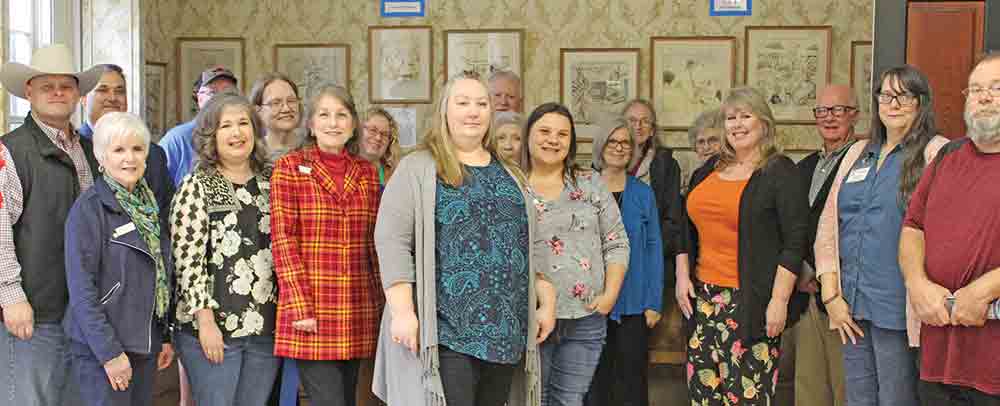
(324, 198)
(747, 233)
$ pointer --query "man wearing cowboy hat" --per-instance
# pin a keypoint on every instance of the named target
(47, 165)
(177, 142)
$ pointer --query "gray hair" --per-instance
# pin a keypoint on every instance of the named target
(116, 125)
(601, 141)
(503, 74)
(708, 119)
(502, 118)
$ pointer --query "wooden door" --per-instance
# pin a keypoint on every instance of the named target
(943, 40)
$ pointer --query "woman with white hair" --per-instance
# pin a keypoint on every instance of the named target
(119, 273)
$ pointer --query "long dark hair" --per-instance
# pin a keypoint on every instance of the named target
(570, 167)
(923, 129)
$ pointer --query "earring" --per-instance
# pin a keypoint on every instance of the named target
(100, 168)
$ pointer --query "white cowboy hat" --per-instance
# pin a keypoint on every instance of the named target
(55, 59)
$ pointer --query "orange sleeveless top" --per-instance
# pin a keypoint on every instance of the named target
(714, 208)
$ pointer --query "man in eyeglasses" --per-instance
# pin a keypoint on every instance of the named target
(177, 142)
(949, 252)
(814, 350)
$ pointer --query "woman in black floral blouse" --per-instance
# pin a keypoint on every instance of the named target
(222, 247)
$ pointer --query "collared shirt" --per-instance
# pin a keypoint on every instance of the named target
(11, 204)
(871, 217)
(70, 144)
(824, 168)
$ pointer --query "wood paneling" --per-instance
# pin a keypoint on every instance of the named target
(943, 40)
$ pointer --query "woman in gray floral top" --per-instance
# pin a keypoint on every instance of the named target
(222, 249)
(580, 246)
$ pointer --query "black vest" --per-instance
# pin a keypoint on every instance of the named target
(50, 186)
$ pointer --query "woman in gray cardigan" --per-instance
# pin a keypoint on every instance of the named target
(466, 309)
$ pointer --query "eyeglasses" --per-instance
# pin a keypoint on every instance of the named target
(637, 122)
(207, 92)
(382, 134)
(837, 111)
(276, 104)
(624, 145)
(979, 92)
(905, 99)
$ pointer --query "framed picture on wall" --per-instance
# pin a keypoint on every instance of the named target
(311, 64)
(595, 84)
(195, 55)
(788, 65)
(861, 83)
(399, 64)
(155, 113)
(484, 52)
(690, 75)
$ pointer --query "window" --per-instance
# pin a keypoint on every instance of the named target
(31, 23)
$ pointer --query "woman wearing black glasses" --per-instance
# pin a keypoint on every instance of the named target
(857, 242)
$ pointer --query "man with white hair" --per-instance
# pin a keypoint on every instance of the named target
(46, 166)
(505, 90)
(949, 251)
(111, 95)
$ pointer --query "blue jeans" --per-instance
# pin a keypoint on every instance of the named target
(881, 369)
(245, 376)
(95, 388)
(35, 372)
(569, 358)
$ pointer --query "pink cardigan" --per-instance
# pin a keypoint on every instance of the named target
(827, 246)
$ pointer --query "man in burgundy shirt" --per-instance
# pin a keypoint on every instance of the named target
(950, 250)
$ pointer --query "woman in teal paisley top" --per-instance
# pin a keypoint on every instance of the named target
(580, 246)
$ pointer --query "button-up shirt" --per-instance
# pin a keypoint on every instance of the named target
(824, 168)
(871, 217)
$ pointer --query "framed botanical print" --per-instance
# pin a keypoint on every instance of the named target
(690, 75)
(311, 64)
(195, 55)
(399, 64)
(596, 83)
(789, 65)
(861, 83)
(484, 52)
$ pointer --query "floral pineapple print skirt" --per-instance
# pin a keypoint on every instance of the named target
(721, 368)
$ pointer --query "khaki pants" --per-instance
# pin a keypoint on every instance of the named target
(819, 361)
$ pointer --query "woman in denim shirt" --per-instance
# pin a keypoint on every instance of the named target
(580, 246)
(857, 241)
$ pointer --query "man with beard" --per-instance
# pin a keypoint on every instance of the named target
(949, 252)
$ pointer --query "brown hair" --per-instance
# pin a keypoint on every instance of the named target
(257, 92)
(207, 126)
(392, 153)
(344, 97)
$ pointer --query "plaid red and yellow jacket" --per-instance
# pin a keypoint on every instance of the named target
(324, 255)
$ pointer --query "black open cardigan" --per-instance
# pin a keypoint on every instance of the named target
(772, 231)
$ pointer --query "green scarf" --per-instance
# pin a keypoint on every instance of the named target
(140, 205)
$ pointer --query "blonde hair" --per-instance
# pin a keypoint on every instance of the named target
(437, 141)
(749, 99)
(392, 153)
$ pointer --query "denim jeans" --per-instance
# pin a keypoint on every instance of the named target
(881, 369)
(569, 358)
(35, 372)
(95, 388)
(245, 377)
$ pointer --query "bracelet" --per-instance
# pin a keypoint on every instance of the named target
(827, 301)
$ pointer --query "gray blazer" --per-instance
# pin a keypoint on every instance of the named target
(404, 239)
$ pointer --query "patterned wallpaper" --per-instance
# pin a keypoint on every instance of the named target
(549, 25)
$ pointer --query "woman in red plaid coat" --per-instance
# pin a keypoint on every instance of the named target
(324, 199)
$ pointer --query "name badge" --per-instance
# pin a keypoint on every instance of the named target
(858, 175)
(305, 169)
(124, 229)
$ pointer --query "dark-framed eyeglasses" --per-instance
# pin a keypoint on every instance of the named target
(837, 110)
(615, 144)
(904, 99)
(980, 92)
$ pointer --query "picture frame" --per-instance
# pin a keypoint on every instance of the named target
(730, 8)
(861, 83)
(311, 64)
(789, 65)
(400, 67)
(689, 75)
(195, 55)
(484, 52)
(596, 83)
(155, 96)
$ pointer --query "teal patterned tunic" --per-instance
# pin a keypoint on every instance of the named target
(482, 265)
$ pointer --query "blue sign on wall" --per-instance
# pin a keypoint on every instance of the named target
(730, 8)
(402, 8)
